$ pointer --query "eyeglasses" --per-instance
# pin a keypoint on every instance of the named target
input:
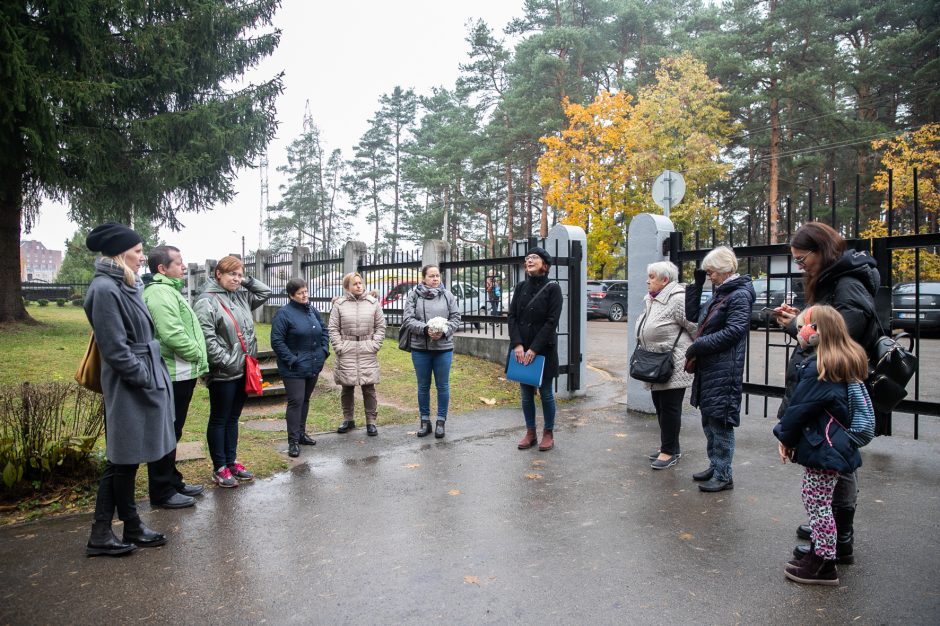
(801, 260)
(533, 257)
(709, 272)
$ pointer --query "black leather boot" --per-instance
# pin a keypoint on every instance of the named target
(439, 429)
(136, 532)
(845, 537)
(102, 542)
(804, 531)
(346, 426)
(293, 449)
(425, 428)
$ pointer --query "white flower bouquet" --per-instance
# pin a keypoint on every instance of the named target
(437, 325)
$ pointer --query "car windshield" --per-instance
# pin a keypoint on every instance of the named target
(910, 288)
(776, 284)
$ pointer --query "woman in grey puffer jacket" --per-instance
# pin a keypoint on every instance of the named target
(432, 351)
(229, 298)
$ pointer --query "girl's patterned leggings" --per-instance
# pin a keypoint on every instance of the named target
(818, 485)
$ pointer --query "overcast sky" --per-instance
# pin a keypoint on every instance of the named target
(341, 56)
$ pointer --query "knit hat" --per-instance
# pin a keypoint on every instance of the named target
(541, 252)
(112, 239)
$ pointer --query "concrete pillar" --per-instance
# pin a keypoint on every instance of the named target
(296, 258)
(435, 252)
(192, 282)
(560, 237)
(257, 271)
(353, 254)
(647, 232)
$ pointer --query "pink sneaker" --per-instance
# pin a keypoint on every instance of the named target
(240, 472)
(223, 478)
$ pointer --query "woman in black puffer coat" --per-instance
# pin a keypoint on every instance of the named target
(719, 350)
(533, 321)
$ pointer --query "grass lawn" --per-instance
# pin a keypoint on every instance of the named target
(51, 349)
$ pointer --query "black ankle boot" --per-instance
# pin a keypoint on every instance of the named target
(845, 534)
(346, 426)
(425, 429)
(102, 542)
(136, 532)
(439, 429)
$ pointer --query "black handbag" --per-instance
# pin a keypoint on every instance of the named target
(893, 367)
(649, 366)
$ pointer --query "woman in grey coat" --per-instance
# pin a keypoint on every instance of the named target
(138, 396)
(224, 311)
(432, 350)
(662, 327)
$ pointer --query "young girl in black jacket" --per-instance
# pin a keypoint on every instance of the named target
(812, 432)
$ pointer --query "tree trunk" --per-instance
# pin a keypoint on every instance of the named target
(11, 215)
(773, 193)
(509, 201)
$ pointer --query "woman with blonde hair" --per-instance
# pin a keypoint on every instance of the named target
(135, 383)
(718, 354)
(812, 432)
(224, 311)
(356, 331)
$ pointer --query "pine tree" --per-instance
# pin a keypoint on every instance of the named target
(126, 110)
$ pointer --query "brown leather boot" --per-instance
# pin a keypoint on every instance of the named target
(548, 441)
(529, 440)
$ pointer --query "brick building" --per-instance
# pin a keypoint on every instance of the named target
(38, 262)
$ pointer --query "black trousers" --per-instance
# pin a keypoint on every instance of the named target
(668, 403)
(163, 479)
(298, 405)
(116, 491)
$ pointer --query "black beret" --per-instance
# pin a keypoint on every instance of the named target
(112, 239)
(549, 260)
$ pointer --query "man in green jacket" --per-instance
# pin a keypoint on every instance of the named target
(183, 348)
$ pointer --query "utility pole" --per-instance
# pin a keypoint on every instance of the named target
(265, 200)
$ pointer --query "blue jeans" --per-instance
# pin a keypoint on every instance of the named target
(720, 438)
(426, 363)
(548, 404)
(226, 399)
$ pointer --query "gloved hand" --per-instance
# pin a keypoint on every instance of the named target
(690, 351)
(700, 276)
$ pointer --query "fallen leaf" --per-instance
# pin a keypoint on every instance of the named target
(472, 580)
(533, 476)
(413, 465)
(620, 435)
(490, 401)
(454, 492)
(538, 463)
(686, 536)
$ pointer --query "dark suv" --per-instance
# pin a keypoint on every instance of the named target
(608, 300)
(771, 293)
(904, 300)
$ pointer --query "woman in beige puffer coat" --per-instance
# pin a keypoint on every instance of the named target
(662, 320)
(356, 330)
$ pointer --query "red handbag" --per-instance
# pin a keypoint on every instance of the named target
(253, 383)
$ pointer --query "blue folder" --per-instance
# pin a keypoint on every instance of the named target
(530, 374)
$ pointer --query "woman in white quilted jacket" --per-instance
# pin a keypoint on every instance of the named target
(657, 328)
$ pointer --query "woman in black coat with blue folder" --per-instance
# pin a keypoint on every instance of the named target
(533, 319)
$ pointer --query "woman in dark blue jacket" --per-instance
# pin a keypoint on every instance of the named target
(719, 350)
(301, 342)
(812, 432)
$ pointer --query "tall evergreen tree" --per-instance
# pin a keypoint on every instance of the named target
(397, 111)
(368, 177)
(125, 109)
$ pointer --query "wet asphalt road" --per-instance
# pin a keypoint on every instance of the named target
(469, 530)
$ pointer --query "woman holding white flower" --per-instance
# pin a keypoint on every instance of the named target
(431, 318)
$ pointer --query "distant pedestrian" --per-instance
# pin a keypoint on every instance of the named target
(224, 310)
(357, 328)
(138, 398)
(493, 293)
(533, 322)
(662, 327)
(718, 353)
(812, 432)
(432, 349)
(183, 348)
(302, 345)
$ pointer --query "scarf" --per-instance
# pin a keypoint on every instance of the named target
(427, 292)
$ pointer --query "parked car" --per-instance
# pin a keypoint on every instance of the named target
(470, 299)
(905, 311)
(610, 302)
(771, 293)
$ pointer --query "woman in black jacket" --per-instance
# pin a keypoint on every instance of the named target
(302, 345)
(533, 318)
(846, 280)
